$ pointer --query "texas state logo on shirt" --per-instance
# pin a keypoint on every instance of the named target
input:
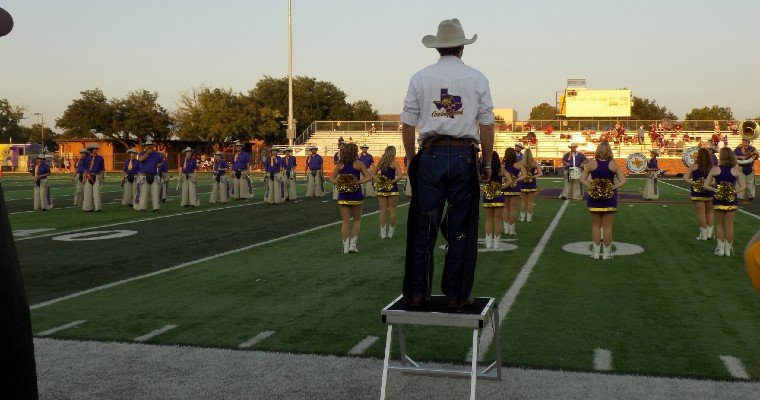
(449, 105)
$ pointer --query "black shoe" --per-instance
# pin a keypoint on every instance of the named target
(414, 302)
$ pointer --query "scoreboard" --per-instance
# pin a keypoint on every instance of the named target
(587, 103)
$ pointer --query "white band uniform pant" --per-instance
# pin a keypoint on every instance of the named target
(42, 198)
(78, 192)
(275, 189)
(241, 187)
(91, 200)
(128, 197)
(368, 189)
(572, 188)
(315, 185)
(145, 191)
(189, 190)
(219, 189)
(651, 191)
(290, 186)
(748, 193)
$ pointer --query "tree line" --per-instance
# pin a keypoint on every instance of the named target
(207, 114)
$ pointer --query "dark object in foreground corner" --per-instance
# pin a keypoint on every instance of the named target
(6, 22)
(18, 374)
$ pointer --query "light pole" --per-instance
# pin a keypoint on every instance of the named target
(42, 129)
(291, 131)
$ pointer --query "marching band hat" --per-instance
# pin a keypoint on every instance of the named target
(132, 150)
(573, 144)
(83, 150)
(520, 145)
(450, 34)
(149, 142)
(746, 139)
(187, 149)
(364, 146)
(274, 149)
(655, 152)
(93, 146)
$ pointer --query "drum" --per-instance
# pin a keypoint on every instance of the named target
(689, 156)
(574, 173)
(636, 163)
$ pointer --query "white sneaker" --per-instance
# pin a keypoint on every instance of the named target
(496, 242)
(489, 241)
(710, 232)
(391, 231)
(595, 250)
(607, 252)
(505, 227)
(702, 234)
(382, 232)
(720, 248)
(345, 246)
(352, 245)
(728, 248)
(522, 217)
(530, 217)
(512, 229)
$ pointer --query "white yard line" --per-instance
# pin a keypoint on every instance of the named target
(602, 360)
(505, 304)
(60, 328)
(687, 190)
(734, 367)
(189, 263)
(155, 333)
(138, 220)
(255, 340)
(362, 346)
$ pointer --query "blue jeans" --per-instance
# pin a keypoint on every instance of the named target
(440, 175)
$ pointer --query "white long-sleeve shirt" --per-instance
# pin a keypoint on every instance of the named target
(448, 98)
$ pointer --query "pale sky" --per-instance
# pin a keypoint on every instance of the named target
(684, 54)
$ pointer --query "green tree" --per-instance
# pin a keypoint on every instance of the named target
(10, 116)
(139, 116)
(216, 115)
(646, 109)
(34, 134)
(90, 114)
(543, 111)
(706, 116)
(362, 110)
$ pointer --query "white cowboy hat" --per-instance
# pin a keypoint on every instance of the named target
(83, 150)
(187, 149)
(450, 34)
(40, 156)
(288, 150)
(364, 146)
(219, 153)
(237, 143)
(149, 142)
(93, 146)
(132, 150)
(571, 145)
(655, 152)
(313, 148)
(274, 149)
(520, 145)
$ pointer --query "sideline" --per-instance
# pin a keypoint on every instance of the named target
(687, 190)
(505, 304)
(190, 263)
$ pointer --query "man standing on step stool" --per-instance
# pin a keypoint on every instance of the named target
(451, 105)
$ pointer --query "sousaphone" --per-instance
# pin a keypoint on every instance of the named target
(749, 130)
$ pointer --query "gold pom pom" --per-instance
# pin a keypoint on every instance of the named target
(697, 187)
(492, 190)
(528, 178)
(382, 183)
(725, 192)
(513, 184)
(347, 183)
(600, 189)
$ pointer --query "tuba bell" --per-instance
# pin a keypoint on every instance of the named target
(749, 130)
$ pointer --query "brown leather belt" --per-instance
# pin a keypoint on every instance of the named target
(446, 141)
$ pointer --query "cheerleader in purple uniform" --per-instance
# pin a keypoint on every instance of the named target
(347, 176)
(722, 180)
(529, 186)
(599, 176)
(390, 169)
(701, 198)
(493, 201)
(512, 191)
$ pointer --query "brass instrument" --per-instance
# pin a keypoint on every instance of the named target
(749, 130)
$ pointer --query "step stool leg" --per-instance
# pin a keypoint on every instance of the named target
(474, 373)
(385, 362)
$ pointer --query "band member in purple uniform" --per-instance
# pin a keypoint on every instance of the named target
(93, 180)
(129, 178)
(572, 163)
(81, 167)
(42, 199)
(273, 168)
(149, 179)
(746, 155)
(189, 179)
(315, 174)
(220, 180)
(726, 181)
(651, 191)
(700, 197)
(241, 184)
(368, 189)
(289, 178)
(347, 176)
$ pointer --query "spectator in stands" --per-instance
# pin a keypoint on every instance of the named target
(640, 134)
(372, 129)
(548, 129)
(531, 138)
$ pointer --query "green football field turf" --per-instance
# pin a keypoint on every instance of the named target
(672, 310)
